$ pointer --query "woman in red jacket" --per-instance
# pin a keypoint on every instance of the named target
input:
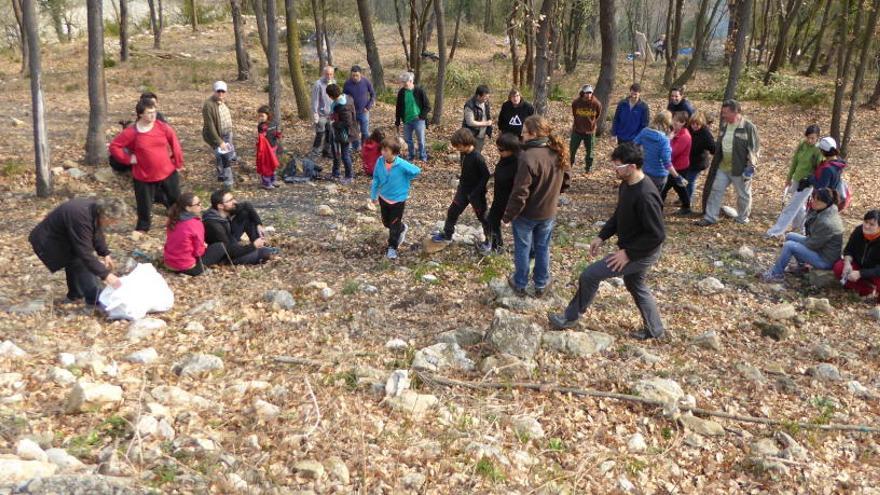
(681, 160)
(153, 151)
(185, 249)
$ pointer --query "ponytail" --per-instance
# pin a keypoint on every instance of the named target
(177, 209)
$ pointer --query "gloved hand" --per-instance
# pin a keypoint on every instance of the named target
(803, 184)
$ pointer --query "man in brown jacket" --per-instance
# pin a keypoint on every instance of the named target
(217, 132)
(586, 110)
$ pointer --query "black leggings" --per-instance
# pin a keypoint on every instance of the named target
(165, 191)
(680, 190)
(392, 219)
(477, 200)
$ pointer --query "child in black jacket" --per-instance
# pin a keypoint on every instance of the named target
(505, 171)
(471, 185)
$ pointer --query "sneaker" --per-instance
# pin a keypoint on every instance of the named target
(729, 211)
(228, 184)
(742, 221)
(540, 291)
(391, 254)
(770, 278)
(644, 334)
(272, 250)
(347, 181)
(560, 322)
(684, 212)
(519, 291)
(484, 248)
(441, 237)
(402, 237)
(703, 223)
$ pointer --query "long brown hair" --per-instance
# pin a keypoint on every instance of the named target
(540, 128)
(177, 209)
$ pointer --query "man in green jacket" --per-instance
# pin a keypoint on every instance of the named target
(734, 163)
(217, 132)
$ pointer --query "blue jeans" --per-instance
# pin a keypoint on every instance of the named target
(794, 246)
(342, 150)
(223, 161)
(529, 235)
(364, 123)
(417, 126)
(691, 176)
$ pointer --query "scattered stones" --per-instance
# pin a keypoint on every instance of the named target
(780, 312)
(30, 450)
(775, 331)
(875, 313)
(508, 367)
(527, 428)
(143, 356)
(859, 390)
(412, 403)
(208, 306)
(194, 327)
(645, 356)
(316, 285)
(708, 340)
(64, 461)
(327, 293)
(787, 385)
(464, 337)
(397, 383)
(61, 376)
(578, 344)
(442, 356)
(822, 279)
(69, 164)
(820, 305)
(11, 380)
(337, 470)
(765, 447)
(825, 372)
(626, 486)
(86, 396)
(104, 175)
(76, 173)
(662, 389)
(693, 440)
(710, 285)
(279, 299)
(514, 334)
(750, 373)
(705, 427)
(176, 396)
(27, 308)
(396, 345)
(324, 211)
(636, 444)
(745, 253)
(147, 426)
(165, 431)
(266, 411)
(66, 359)
(430, 278)
(195, 364)
(14, 470)
(310, 468)
(9, 350)
(823, 352)
(792, 450)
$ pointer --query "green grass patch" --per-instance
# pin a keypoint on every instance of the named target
(635, 466)
(556, 444)
(114, 427)
(826, 407)
(495, 266)
(109, 62)
(81, 446)
(13, 168)
(487, 469)
(350, 287)
(783, 89)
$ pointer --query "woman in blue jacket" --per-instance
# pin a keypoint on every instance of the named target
(657, 151)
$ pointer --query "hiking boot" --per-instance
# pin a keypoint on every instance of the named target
(441, 237)
(644, 334)
(703, 223)
(540, 291)
(684, 212)
(518, 291)
(771, 278)
(560, 322)
(484, 248)
(402, 238)
(391, 254)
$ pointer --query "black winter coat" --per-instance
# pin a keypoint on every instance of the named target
(71, 232)
(219, 229)
(866, 254)
(702, 145)
(421, 101)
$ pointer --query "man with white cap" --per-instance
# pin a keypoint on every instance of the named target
(321, 110)
(217, 132)
(586, 110)
(734, 163)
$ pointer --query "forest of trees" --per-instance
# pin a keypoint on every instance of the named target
(545, 39)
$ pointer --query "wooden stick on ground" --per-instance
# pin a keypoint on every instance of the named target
(299, 360)
(429, 378)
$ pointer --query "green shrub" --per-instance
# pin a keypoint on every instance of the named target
(208, 12)
(783, 89)
(111, 28)
(13, 168)
(109, 62)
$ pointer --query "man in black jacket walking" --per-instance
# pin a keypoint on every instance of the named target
(70, 236)
(638, 223)
(412, 109)
(227, 220)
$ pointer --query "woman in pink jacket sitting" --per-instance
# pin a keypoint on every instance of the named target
(185, 249)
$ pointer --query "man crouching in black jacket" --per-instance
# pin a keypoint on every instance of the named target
(227, 220)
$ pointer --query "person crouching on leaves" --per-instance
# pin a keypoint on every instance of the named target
(390, 189)
(471, 185)
(268, 147)
(508, 147)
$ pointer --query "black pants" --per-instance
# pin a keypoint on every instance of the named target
(493, 220)
(145, 193)
(81, 283)
(477, 200)
(324, 137)
(245, 221)
(214, 255)
(392, 219)
(680, 190)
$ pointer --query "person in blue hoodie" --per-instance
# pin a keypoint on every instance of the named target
(657, 151)
(391, 181)
(632, 115)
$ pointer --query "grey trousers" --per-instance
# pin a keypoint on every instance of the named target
(743, 186)
(634, 280)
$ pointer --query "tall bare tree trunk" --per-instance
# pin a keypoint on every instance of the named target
(786, 19)
(155, 25)
(297, 81)
(22, 35)
(608, 66)
(260, 14)
(511, 36)
(864, 45)
(378, 75)
(814, 60)
(737, 59)
(96, 144)
(843, 61)
(326, 35)
(41, 137)
(440, 92)
(319, 34)
(243, 62)
(673, 38)
(487, 20)
(274, 77)
(543, 67)
(123, 30)
(701, 39)
(874, 100)
(457, 25)
(194, 4)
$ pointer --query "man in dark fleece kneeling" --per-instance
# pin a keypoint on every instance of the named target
(227, 220)
(638, 223)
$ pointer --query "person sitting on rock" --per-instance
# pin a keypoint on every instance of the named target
(859, 270)
(227, 220)
(70, 236)
(820, 248)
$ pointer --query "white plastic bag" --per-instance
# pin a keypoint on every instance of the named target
(143, 291)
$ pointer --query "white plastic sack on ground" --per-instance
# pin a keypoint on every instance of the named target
(143, 291)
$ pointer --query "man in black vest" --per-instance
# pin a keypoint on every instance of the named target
(478, 116)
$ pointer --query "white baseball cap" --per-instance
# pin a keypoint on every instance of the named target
(827, 143)
(220, 86)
